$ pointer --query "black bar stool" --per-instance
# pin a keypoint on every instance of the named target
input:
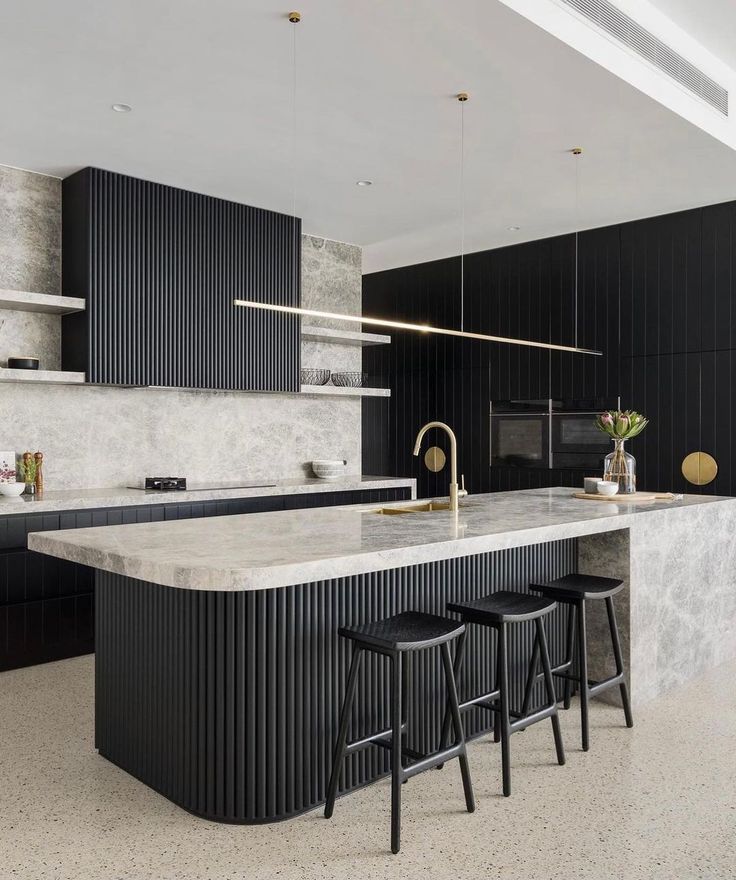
(573, 590)
(498, 611)
(394, 637)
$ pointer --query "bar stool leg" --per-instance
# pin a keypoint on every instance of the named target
(458, 725)
(456, 670)
(406, 666)
(583, 672)
(550, 688)
(531, 678)
(396, 738)
(342, 734)
(569, 654)
(497, 686)
(616, 641)
(503, 652)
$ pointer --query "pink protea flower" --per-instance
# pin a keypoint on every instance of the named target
(606, 419)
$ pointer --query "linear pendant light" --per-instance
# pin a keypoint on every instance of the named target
(462, 97)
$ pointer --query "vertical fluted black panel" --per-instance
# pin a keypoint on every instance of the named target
(227, 703)
(159, 268)
(526, 291)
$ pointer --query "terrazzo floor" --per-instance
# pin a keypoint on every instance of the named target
(658, 801)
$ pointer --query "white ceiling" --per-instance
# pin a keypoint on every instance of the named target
(711, 22)
(210, 88)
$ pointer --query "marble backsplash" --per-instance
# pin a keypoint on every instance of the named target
(97, 437)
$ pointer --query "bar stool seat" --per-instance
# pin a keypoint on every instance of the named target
(407, 631)
(397, 638)
(502, 607)
(579, 586)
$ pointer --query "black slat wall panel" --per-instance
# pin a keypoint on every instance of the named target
(246, 730)
(656, 296)
(661, 290)
(522, 291)
(159, 268)
(46, 604)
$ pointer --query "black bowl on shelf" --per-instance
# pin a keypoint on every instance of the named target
(22, 362)
(349, 380)
(315, 377)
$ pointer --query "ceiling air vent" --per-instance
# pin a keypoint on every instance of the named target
(619, 25)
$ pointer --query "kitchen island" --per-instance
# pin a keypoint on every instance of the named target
(219, 672)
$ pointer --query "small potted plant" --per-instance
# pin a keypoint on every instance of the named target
(620, 465)
(27, 472)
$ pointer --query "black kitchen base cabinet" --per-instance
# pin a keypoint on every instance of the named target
(228, 703)
(47, 604)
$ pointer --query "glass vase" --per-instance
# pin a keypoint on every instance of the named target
(620, 467)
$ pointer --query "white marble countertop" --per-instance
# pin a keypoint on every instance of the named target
(267, 550)
(85, 499)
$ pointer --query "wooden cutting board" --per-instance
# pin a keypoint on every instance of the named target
(636, 498)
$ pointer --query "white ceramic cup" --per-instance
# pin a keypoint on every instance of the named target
(605, 487)
(590, 485)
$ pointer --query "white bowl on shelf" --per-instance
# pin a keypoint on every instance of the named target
(12, 490)
(329, 468)
(606, 487)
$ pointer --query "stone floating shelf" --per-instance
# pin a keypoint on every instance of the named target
(20, 301)
(59, 377)
(343, 337)
(339, 391)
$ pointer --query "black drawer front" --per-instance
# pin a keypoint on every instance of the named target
(47, 604)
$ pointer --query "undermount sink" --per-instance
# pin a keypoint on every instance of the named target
(422, 507)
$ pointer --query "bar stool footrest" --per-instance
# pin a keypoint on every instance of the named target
(597, 687)
(381, 739)
(432, 760)
(524, 721)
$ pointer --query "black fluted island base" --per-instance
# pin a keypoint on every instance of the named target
(227, 703)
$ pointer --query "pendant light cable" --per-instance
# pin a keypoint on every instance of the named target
(294, 18)
(462, 97)
(577, 152)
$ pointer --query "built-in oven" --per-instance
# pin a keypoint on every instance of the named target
(558, 434)
(520, 433)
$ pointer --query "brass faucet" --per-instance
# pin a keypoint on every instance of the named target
(455, 491)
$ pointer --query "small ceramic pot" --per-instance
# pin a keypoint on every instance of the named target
(590, 485)
(605, 487)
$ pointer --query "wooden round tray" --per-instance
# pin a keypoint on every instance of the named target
(636, 498)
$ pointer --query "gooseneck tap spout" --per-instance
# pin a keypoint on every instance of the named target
(455, 491)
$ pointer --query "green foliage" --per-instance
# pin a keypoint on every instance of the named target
(27, 472)
(621, 424)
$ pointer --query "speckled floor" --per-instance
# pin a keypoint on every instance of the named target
(658, 801)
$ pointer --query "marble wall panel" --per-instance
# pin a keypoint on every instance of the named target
(30, 260)
(331, 281)
(30, 231)
(99, 437)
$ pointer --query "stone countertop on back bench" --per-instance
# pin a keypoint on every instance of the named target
(268, 550)
(86, 499)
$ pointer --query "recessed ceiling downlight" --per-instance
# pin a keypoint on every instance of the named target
(364, 183)
(513, 228)
(122, 108)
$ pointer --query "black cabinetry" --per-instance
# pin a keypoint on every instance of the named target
(159, 268)
(47, 604)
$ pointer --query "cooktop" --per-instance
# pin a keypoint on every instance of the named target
(179, 484)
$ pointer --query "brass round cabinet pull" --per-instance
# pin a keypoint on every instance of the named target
(699, 468)
(435, 459)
